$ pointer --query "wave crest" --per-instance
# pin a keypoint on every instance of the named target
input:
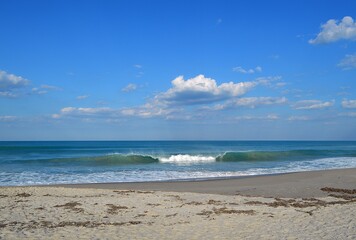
(186, 158)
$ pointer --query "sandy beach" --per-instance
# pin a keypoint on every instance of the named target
(306, 205)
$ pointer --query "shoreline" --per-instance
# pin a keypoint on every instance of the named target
(295, 185)
(303, 205)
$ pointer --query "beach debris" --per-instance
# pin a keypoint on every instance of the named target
(225, 210)
(338, 190)
(71, 206)
(214, 202)
(153, 204)
(114, 209)
(23, 195)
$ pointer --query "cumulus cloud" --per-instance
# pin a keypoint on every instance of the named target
(181, 100)
(9, 81)
(13, 86)
(10, 84)
(348, 103)
(200, 89)
(247, 71)
(334, 30)
(312, 104)
(348, 62)
(129, 88)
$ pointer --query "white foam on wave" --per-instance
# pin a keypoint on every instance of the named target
(187, 159)
(40, 177)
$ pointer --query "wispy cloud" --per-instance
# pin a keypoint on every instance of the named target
(82, 97)
(43, 89)
(150, 110)
(86, 112)
(249, 102)
(334, 30)
(348, 103)
(8, 118)
(348, 114)
(348, 62)
(240, 69)
(129, 88)
(248, 117)
(298, 118)
(312, 104)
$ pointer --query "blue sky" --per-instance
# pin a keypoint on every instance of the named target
(176, 70)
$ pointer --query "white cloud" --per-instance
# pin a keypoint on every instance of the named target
(9, 81)
(312, 104)
(8, 94)
(39, 91)
(268, 117)
(86, 110)
(8, 118)
(179, 101)
(43, 89)
(348, 114)
(129, 88)
(146, 111)
(334, 30)
(49, 87)
(149, 110)
(281, 84)
(348, 103)
(82, 97)
(137, 66)
(247, 71)
(14, 86)
(348, 62)
(253, 102)
(298, 118)
(249, 102)
(10, 84)
(80, 112)
(200, 89)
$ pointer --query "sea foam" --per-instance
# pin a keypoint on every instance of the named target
(187, 159)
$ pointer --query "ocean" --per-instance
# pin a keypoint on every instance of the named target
(62, 162)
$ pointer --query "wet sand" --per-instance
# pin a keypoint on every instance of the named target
(292, 185)
(308, 205)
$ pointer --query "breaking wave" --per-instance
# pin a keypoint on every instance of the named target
(249, 156)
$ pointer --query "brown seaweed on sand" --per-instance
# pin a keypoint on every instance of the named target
(71, 206)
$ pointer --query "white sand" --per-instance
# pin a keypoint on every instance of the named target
(72, 213)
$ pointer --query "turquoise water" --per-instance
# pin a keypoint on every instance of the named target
(32, 163)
